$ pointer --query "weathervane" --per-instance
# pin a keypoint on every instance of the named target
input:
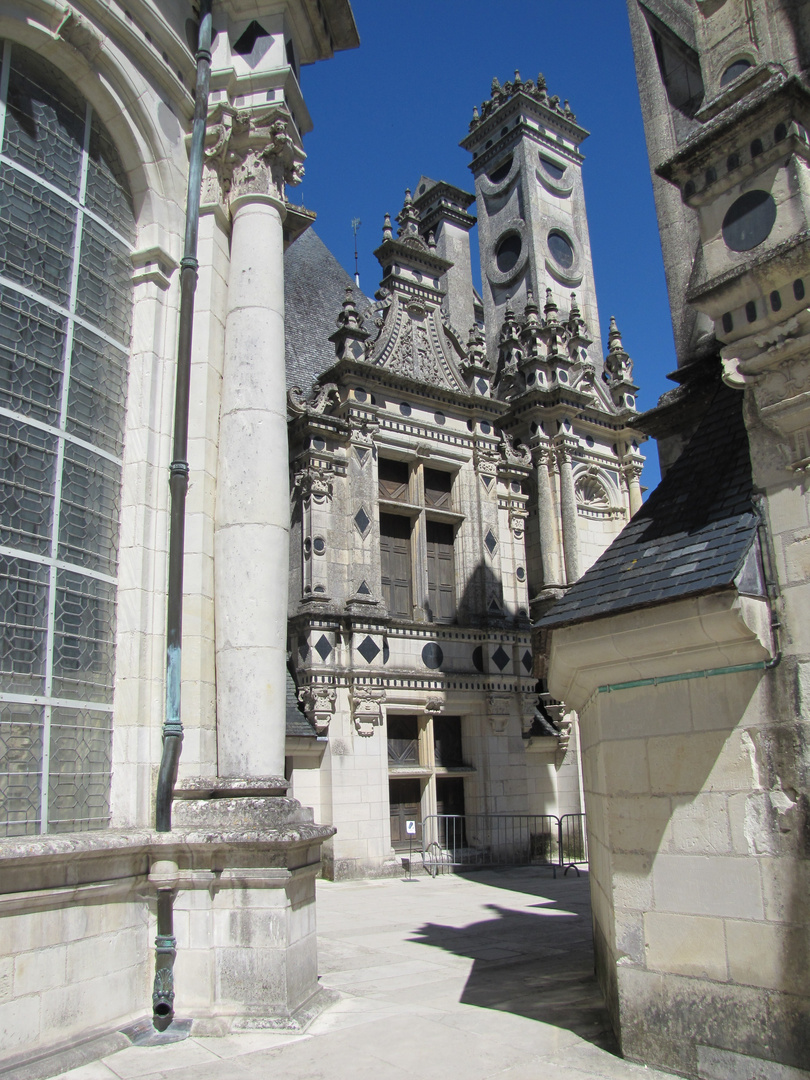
(356, 223)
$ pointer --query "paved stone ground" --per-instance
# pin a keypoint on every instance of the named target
(485, 976)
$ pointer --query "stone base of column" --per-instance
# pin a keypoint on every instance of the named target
(245, 860)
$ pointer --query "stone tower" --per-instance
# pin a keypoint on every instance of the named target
(532, 225)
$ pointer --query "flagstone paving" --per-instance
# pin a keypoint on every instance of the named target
(488, 975)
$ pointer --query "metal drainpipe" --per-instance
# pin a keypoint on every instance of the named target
(165, 942)
(178, 481)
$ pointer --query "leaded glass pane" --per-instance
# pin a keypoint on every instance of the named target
(27, 465)
(58, 625)
(36, 235)
(80, 766)
(107, 188)
(84, 637)
(88, 517)
(44, 127)
(98, 387)
(32, 343)
(23, 619)
(105, 275)
(20, 768)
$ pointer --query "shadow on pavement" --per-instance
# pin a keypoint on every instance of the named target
(538, 965)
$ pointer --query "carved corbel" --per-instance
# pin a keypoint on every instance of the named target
(498, 707)
(318, 703)
(434, 705)
(367, 709)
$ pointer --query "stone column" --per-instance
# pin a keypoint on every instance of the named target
(549, 545)
(251, 568)
(632, 475)
(568, 511)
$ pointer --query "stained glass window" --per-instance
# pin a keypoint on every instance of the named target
(66, 231)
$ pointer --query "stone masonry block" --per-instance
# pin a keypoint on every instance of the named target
(40, 970)
(775, 957)
(685, 945)
(724, 886)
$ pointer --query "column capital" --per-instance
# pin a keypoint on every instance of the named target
(250, 156)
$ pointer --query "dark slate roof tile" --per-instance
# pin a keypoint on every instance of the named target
(297, 723)
(314, 290)
(690, 537)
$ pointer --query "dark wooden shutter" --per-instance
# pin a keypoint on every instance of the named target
(441, 568)
(395, 564)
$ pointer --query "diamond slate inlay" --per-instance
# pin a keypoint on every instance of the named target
(527, 660)
(500, 658)
(362, 521)
(368, 649)
(322, 647)
(490, 542)
(482, 386)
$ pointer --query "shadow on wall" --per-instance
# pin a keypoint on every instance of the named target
(539, 966)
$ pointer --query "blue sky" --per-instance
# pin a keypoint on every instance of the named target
(397, 107)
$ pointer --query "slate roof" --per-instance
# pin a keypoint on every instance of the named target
(691, 536)
(297, 723)
(314, 290)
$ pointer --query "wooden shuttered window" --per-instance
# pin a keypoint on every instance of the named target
(441, 569)
(393, 478)
(437, 489)
(395, 564)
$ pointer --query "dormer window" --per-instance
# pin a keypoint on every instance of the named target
(733, 71)
(680, 69)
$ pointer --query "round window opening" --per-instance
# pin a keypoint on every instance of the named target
(733, 71)
(561, 250)
(507, 253)
(555, 171)
(501, 172)
(749, 220)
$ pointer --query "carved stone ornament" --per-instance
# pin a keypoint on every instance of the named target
(367, 709)
(515, 455)
(250, 152)
(316, 404)
(314, 483)
(486, 460)
(498, 706)
(364, 430)
(319, 704)
(434, 706)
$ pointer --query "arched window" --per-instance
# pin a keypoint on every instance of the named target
(66, 232)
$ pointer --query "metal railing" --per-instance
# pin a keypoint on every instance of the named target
(465, 841)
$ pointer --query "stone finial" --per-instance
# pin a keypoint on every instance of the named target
(388, 232)
(349, 316)
(614, 336)
(541, 84)
(550, 309)
(617, 362)
(408, 217)
(350, 336)
(518, 82)
(530, 312)
(476, 119)
(431, 240)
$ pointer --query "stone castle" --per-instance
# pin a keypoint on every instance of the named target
(454, 600)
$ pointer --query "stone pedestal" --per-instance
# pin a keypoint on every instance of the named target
(244, 869)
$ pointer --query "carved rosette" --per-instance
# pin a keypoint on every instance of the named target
(251, 152)
(318, 703)
(368, 704)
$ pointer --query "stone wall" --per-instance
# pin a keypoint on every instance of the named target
(695, 837)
